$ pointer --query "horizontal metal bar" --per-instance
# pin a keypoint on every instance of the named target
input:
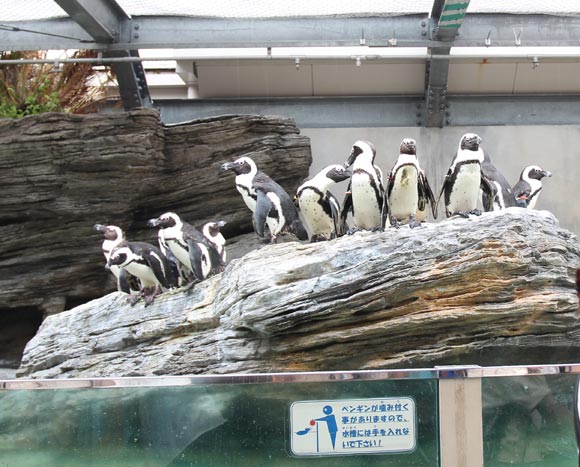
(468, 372)
(384, 111)
(308, 112)
(485, 110)
(492, 53)
(404, 31)
(201, 380)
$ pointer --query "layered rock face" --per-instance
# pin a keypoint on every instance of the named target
(61, 174)
(495, 289)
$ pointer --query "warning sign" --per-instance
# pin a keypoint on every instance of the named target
(352, 426)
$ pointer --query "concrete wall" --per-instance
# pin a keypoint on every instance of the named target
(554, 148)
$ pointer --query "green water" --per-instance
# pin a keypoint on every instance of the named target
(528, 421)
(219, 425)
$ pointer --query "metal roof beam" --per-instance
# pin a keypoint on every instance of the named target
(478, 30)
(104, 20)
(446, 19)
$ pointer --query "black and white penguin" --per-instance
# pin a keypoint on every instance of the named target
(148, 264)
(319, 207)
(407, 189)
(365, 194)
(463, 180)
(496, 192)
(114, 236)
(268, 201)
(211, 231)
(528, 188)
(189, 246)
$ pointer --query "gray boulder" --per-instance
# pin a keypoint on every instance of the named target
(487, 290)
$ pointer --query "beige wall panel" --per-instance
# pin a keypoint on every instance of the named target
(275, 78)
(547, 78)
(479, 78)
(368, 79)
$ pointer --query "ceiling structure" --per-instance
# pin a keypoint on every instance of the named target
(433, 63)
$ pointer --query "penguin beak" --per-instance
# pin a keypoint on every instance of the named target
(153, 222)
(226, 166)
(545, 173)
(99, 227)
(107, 267)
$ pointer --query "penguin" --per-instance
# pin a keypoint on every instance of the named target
(320, 209)
(114, 236)
(496, 192)
(463, 180)
(407, 188)
(268, 201)
(365, 194)
(146, 262)
(529, 186)
(189, 246)
(211, 231)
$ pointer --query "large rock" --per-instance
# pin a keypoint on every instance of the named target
(498, 288)
(60, 174)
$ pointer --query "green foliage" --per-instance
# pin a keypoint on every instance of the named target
(30, 89)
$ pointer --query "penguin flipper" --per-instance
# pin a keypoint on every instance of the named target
(346, 207)
(428, 193)
(263, 208)
(489, 191)
(335, 214)
(443, 188)
(160, 267)
(123, 282)
(195, 255)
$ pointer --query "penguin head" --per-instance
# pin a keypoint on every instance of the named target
(164, 221)
(243, 165)
(119, 257)
(337, 173)
(470, 141)
(361, 149)
(534, 172)
(212, 229)
(110, 232)
(408, 146)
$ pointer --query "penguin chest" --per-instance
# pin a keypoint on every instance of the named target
(404, 196)
(144, 273)
(464, 191)
(366, 207)
(179, 248)
(315, 217)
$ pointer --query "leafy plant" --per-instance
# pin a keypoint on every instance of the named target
(29, 89)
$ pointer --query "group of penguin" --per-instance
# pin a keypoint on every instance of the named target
(187, 255)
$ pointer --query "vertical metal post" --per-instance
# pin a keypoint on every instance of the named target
(460, 417)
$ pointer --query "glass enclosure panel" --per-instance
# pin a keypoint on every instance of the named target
(529, 421)
(206, 425)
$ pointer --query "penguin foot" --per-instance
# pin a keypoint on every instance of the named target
(318, 238)
(414, 222)
(475, 212)
(461, 213)
(395, 223)
(353, 230)
(189, 286)
(135, 298)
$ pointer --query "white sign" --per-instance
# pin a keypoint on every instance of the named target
(353, 426)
